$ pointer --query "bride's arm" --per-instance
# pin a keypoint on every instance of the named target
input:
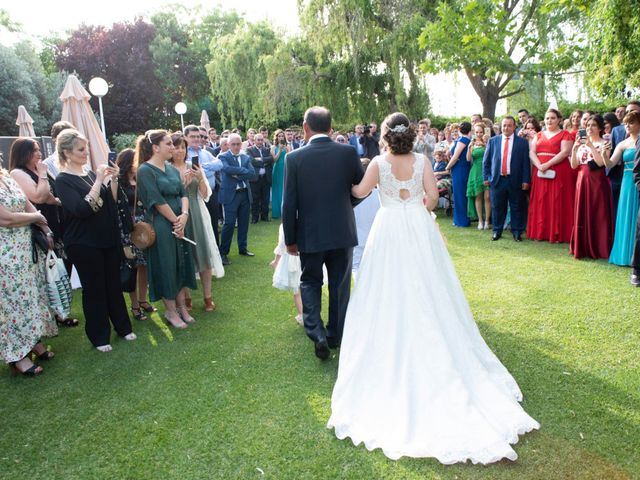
(430, 187)
(369, 181)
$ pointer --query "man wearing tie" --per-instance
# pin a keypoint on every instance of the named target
(235, 196)
(261, 185)
(506, 168)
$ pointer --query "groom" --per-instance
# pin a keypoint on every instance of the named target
(318, 223)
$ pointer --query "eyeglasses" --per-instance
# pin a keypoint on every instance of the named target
(235, 143)
(341, 140)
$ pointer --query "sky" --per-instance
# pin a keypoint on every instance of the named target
(451, 95)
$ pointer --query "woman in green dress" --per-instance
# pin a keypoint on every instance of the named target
(206, 254)
(477, 191)
(278, 151)
(169, 259)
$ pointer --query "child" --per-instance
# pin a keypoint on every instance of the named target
(443, 178)
(287, 273)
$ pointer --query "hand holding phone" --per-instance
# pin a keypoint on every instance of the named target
(195, 161)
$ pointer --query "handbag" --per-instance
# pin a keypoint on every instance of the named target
(548, 174)
(128, 276)
(143, 234)
(38, 241)
(58, 286)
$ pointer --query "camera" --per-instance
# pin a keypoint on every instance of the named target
(366, 130)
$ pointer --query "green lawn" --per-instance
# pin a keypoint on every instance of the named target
(241, 395)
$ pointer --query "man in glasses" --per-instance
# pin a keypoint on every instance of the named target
(235, 196)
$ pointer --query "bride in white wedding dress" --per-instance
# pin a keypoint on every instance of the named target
(415, 376)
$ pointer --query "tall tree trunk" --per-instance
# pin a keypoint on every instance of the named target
(488, 93)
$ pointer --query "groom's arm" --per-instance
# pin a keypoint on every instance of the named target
(290, 203)
(357, 178)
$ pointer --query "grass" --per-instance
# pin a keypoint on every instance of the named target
(240, 394)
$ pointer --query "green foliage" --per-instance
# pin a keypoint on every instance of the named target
(16, 88)
(498, 41)
(7, 24)
(612, 63)
(120, 141)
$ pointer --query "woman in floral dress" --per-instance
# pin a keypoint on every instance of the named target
(24, 311)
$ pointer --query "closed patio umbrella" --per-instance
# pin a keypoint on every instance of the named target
(76, 109)
(204, 120)
(25, 122)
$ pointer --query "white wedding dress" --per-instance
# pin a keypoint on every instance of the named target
(415, 377)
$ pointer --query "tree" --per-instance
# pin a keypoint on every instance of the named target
(366, 50)
(498, 41)
(121, 56)
(613, 65)
(16, 88)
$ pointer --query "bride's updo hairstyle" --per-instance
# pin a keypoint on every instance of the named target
(398, 133)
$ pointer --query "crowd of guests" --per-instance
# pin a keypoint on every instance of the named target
(569, 181)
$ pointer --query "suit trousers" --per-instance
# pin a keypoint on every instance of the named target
(503, 194)
(635, 260)
(102, 300)
(237, 209)
(338, 263)
(260, 193)
(214, 212)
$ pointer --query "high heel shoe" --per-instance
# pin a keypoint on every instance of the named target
(183, 312)
(180, 324)
(188, 304)
(209, 306)
(138, 314)
(147, 307)
(44, 354)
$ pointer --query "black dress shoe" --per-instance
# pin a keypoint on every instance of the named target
(225, 260)
(322, 350)
(517, 237)
(247, 253)
(634, 280)
(265, 219)
(333, 342)
(496, 236)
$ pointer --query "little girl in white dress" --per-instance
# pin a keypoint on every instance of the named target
(287, 273)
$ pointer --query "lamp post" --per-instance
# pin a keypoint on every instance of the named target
(181, 109)
(99, 88)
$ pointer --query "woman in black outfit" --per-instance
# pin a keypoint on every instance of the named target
(92, 238)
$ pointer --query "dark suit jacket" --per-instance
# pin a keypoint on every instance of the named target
(317, 211)
(520, 164)
(258, 162)
(232, 175)
(636, 166)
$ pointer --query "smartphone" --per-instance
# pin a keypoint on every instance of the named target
(487, 131)
(112, 158)
(195, 161)
(582, 135)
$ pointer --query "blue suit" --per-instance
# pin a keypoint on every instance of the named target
(507, 189)
(235, 197)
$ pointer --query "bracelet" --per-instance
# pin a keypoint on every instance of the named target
(50, 234)
(185, 213)
(95, 205)
(43, 178)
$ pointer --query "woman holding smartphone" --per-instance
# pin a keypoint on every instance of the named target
(278, 151)
(592, 234)
(199, 229)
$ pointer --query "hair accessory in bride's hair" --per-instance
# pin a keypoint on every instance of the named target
(400, 128)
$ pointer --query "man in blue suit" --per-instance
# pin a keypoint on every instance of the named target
(235, 196)
(506, 168)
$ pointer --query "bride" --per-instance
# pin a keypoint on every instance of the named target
(415, 377)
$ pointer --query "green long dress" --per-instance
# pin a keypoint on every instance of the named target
(475, 185)
(277, 182)
(169, 260)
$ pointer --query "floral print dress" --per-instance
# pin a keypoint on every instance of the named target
(24, 310)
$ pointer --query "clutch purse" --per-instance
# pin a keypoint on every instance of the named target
(143, 234)
(548, 174)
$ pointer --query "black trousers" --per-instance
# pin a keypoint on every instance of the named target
(635, 260)
(99, 272)
(214, 211)
(260, 194)
(238, 210)
(338, 263)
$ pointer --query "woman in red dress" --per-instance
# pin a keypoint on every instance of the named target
(593, 225)
(553, 183)
(574, 123)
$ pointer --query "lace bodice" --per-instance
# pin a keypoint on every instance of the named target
(391, 187)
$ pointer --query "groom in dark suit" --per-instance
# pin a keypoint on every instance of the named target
(507, 169)
(318, 223)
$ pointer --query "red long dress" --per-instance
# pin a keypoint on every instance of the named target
(593, 225)
(551, 213)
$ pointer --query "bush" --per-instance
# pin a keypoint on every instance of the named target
(120, 141)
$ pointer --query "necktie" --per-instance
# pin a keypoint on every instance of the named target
(505, 155)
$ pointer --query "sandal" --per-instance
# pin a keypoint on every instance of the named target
(67, 322)
(209, 306)
(188, 304)
(183, 312)
(45, 354)
(137, 314)
(179, 324)
(147, 307)
(32, 371)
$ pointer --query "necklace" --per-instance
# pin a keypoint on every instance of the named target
(99, 200)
